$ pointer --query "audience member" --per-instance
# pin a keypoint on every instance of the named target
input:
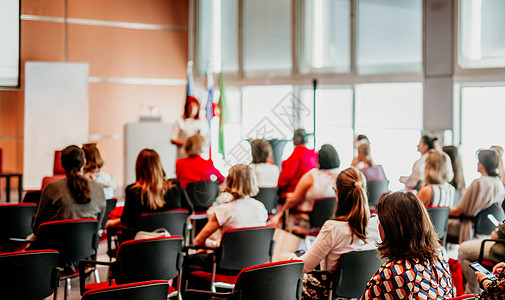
(188, 125)
(501, 169)
(469, 252)
(345, 233)
(317, 183)
(300, 162)
(266, 172)
(493, 289)
(482, 193)
(436, 191)
(151, 192)
(194, 168)
(73, 197)
(458, 180)
(366, 165)
(414, 180)
(93, 170)
(416, 267)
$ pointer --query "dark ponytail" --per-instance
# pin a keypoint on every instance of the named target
(72, 160)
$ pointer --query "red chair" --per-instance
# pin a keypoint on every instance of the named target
(488, 264)
(16, 222)
(469, 297)
(240, 248)
(272, 281)
(74, 239)
(58, 171)
(148, 290)
(140, 260)
(28, 274)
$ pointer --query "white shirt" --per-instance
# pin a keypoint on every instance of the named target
(247, 212)
(267, 174)
(185, 128)
(322, 187)
(417, 173)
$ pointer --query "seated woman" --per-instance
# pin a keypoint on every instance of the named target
(151, 192)
(458, 180)
(415, 179)
(366, 165)
(73, 197)
(482, 193)
(493, 289)
(416, 268)
(345, 233)
(317, 183)
(93, 170)
(266, 172)
(241, 211)
(469, 252)
(436, 191)
(194, 168)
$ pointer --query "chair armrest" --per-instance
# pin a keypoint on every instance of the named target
(188, 247)
(481, 253)
(82, 270)
(21, 240)
(205, 295)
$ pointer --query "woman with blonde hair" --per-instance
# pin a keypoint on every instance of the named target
(436, 191)
(150, 192)
(410, 244)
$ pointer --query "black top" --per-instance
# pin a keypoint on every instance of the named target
(133, 207)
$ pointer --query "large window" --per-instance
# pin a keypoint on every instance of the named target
(481, 38)
(325, 33)
(482, 124)
(391, 116)
(267, 38)
(383, 45)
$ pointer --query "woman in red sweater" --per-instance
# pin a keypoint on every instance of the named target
(194, 168)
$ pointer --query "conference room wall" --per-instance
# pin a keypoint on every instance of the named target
(137, 51)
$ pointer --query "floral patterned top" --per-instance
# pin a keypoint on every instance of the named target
(495, 290)
(410, 279)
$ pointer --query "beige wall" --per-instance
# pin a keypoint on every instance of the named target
(113, 53)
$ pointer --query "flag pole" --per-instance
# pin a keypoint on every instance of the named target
(314, 83)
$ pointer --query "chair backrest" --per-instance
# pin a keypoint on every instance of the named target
(269, 197)
(323, 210)
(482, 223)
(244, 247)
(353, 273)
(174, 221)
(149, 290)
(149, 259)
(109, 206)
(272, 281)
(439, 218)
(375, 190)
(57, 166)
(15, 222)
(202, 194)
(32, 196)
(28, 274)
(74, 239)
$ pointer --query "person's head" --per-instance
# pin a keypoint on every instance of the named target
(352, 201)
(501, 168)
(435, 170)
(241, 182)
(194, 145)
(488, 162)
(261, 151)
(299, 137)
(361, 139)
(150, 177)
(72, 160)
(94, 161)
(405, 228)
(426, 143)
(191, 108)
(327, 158)
(364, 154)
(458, 181)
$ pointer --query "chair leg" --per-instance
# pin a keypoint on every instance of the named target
(68, 286)
(55, 293)
(97, 275)
(212, 286)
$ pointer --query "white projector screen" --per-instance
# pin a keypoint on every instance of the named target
(9, 43)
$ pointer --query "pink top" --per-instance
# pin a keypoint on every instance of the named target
(194, 168)
(300, 162)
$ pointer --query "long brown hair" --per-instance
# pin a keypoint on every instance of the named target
(352, 203)
(458, 181)
(261, 151)
(435, 171)
(72, 160)
(241, 182)
(94, 160)
(408, 231)
(150, 177)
